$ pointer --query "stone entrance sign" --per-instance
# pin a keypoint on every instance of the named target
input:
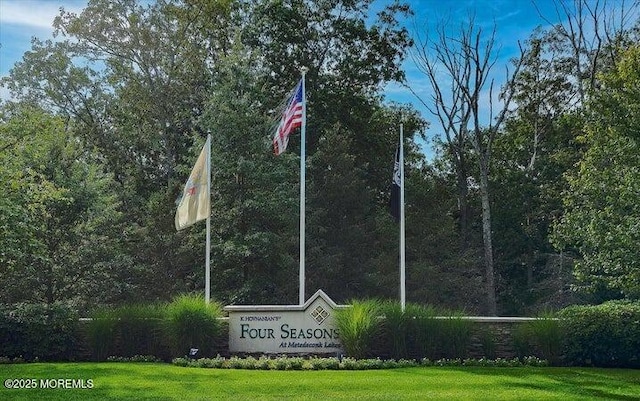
(285, 329)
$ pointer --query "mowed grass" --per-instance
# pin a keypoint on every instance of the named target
(154, 381)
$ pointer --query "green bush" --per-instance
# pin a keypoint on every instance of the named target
(127, 331)
(424, 328)
(100, 333)
(315, 363)
(159, 330)
(522, 340)
(358, 325)
(547, 335)
(487, 338)
(454, 335)
(437, 334)
(383, 329)
(192, 323)
(38, 331)
(395, 329)
(542, 337)
(606, 335)
(139, 330)
(10, 333)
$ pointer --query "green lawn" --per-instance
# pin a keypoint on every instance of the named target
(153, 381)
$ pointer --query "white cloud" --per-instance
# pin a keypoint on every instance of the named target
(35, 13)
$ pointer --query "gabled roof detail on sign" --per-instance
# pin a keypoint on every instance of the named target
(318, 294)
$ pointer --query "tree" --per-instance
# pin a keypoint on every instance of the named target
(467, 60)
(133, 78)
(143, 83)
(536, 148)
(349, 146)
(601, 219)
(586, 38)
(452, 111)
(254, 226)
(59, 221)
(541, 144)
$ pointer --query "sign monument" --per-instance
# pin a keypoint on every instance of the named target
(285, 329)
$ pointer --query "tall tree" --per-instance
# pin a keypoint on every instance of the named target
(468, 59)
(542, 143)
(134, 77)
(144, 82)
(254, 222)
(601, 219)
(452, 111)
(61, 229)
(536, 149)
(349, 59)
(586, 35)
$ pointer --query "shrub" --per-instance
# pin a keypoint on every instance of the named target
(135, 358)
(547, 335)
(325, 363)
(38, 332)
(424, 340)
(417, 332)
(264, 363)
(542, 337)
(455, 334)
(358, 325)
(395, 328)
(522, 338)
(606, 335)
(127, 331)
(139, 330)
(101, 334)
(315, 363)
(192, 323)
(487, 338)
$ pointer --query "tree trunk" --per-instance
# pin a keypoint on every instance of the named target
(487, 239)
(463, 208)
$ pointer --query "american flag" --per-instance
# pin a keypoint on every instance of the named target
(291, 119)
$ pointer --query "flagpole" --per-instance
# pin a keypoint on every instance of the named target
(303, 156)
(402, 239)
(207, 269)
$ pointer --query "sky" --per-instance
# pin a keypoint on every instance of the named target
(515, 20)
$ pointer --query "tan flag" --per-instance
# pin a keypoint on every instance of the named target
(195, 204)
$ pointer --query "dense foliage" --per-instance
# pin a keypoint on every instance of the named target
(104, 124)
(38, 332)
(606, 335)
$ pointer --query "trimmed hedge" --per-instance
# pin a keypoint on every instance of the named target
(38, 332)
(606, 335)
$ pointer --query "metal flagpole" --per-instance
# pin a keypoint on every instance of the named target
(303, 156)
(207, 269)
(402, 243)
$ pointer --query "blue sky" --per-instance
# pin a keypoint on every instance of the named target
(20, 20)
